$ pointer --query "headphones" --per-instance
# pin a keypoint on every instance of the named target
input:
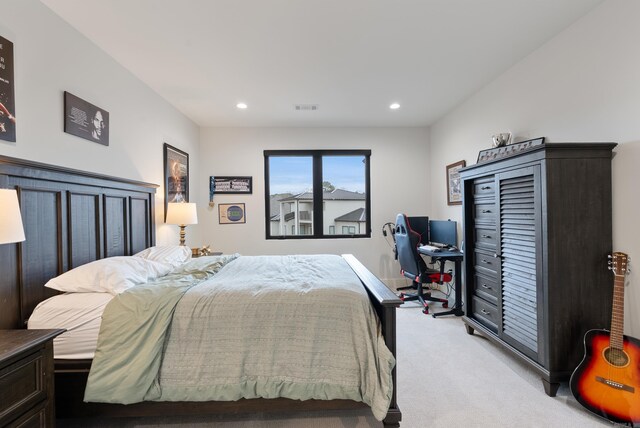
(392, 230)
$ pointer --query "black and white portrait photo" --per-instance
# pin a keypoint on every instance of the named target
(85, 120)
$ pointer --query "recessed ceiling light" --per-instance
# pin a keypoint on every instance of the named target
(394, 106)
(241, 106)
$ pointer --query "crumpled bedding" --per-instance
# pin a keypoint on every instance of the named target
(298, 327)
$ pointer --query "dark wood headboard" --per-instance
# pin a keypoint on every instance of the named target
(70, 218)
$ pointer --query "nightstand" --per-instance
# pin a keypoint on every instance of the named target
(26, 378)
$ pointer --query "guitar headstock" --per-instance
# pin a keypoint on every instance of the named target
(619, 264)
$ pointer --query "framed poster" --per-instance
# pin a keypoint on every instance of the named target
(230, 185)
(454, 185)
(176, 176)
(231, 213)
(85, 120)
(7, 92)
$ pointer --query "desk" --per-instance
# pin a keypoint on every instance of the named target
(456, 258)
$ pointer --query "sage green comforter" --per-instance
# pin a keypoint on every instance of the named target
(298, 327)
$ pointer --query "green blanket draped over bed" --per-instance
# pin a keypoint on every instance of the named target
(298, 327)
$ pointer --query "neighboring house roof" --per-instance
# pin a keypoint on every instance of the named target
(335, 195)
(356, 215)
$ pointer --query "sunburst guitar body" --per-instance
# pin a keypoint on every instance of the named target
(607, 381)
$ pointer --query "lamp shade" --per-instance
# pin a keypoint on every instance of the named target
(11, 229)
(181, 213)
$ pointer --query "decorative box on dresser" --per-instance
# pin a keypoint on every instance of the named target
(26, 378)
(537, 232)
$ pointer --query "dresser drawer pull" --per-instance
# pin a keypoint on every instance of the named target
(486, 261)
(485, 188)
(487, 287)
(486, 236)
(486, 211)
(485, 312)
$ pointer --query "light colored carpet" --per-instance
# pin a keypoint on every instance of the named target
(446, 379)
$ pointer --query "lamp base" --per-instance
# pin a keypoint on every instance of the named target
(182, 234)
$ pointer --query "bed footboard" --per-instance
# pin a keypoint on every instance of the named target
(385, 303)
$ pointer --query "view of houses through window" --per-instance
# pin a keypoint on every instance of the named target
(291, 197)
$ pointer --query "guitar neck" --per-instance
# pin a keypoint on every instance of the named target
(617, 313)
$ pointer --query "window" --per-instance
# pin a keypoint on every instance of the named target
(315, 193)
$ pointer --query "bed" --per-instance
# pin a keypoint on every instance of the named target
(74, 217)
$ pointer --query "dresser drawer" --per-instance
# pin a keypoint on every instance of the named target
(484, 187)
(484, 212)
(21, 386)
(486, 237)
(486, 313)
(486, 263)
(487, 288)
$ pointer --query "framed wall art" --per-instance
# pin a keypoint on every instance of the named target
(85, 120)
(231, 213)
(454, 185)
(230, 185)
(508, 150)
(176, 176)
(7, 92)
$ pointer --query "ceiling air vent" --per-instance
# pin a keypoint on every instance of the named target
(306, 107)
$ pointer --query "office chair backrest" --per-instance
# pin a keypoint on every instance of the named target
(407, 245)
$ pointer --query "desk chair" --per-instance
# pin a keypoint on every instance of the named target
(412, 265)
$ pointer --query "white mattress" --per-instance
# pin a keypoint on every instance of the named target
(80, 314)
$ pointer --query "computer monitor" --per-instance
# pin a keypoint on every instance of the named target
(420, 224)
(443, 232)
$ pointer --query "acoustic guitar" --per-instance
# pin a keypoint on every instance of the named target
(607, 381)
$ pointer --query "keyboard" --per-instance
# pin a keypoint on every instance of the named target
(431, 248)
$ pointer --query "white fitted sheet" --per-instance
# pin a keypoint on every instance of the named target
(80, 314)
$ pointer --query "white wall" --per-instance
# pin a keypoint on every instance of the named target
(50, 58)
(583, 85)
(399, 183)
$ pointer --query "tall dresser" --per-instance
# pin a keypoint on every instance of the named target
(537, 232)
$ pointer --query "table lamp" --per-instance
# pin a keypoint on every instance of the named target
(182, 214)
(11, 229)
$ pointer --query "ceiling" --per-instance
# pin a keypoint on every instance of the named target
(352, 58)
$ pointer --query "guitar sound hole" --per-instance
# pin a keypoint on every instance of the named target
(616, 357)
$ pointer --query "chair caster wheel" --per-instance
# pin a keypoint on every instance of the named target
(425, 310)
(445, 305)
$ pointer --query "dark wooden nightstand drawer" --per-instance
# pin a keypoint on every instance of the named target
(26, 378)
(21, 386)
(486, 313)
(36, 418)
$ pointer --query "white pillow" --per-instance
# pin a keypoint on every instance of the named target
(174, 254)
(112, 275)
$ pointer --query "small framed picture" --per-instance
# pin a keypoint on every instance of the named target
(231, 213)
(230, 185)
(454, 185)
(176, 176)
(85, 120)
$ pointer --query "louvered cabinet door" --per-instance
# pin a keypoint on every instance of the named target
(519, 247)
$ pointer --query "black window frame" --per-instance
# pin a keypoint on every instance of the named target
(318, 211)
